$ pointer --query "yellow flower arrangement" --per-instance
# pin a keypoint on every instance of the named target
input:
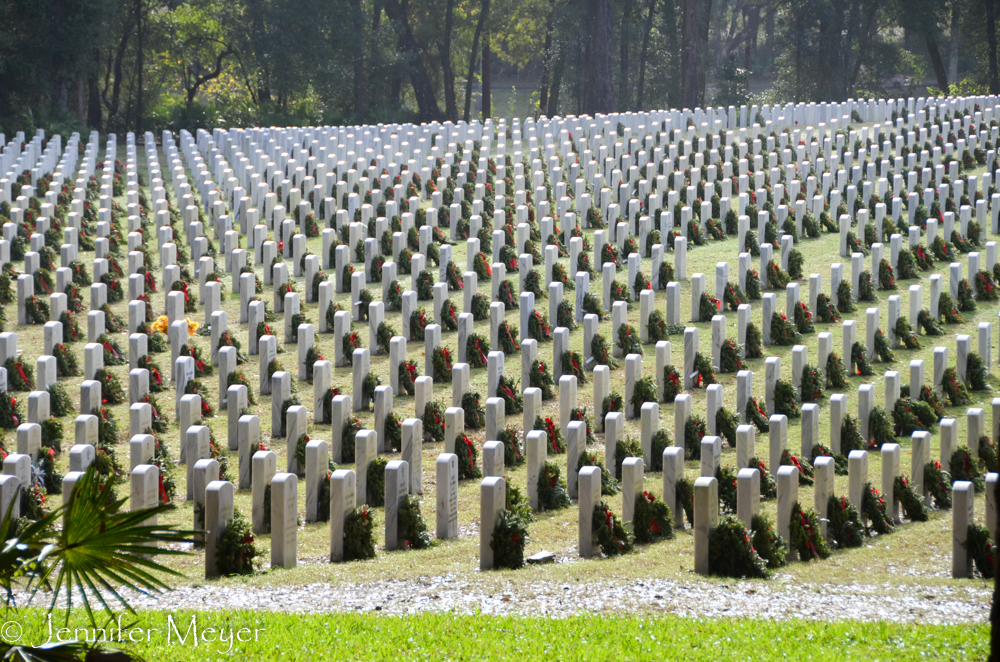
(161, 324)
(192, 326)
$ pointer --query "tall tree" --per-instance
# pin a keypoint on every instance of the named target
(473, 58)
(423, 90)
(694, 51)
(450, 103)
(598, 89)
(486, 78)
(991, 47)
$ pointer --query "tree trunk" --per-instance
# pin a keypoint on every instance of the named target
(991, 41)
(360, 90)
(956, 10)
(423, 90)
(543, 92)
(704, 26)
(643, 58)
(487, 81)
(599, 91)
(450, 104)
(694, 38)
(626, 38)
(138, 65)
(936, 62)
(557, 74)
(472, 66)
(94, 95)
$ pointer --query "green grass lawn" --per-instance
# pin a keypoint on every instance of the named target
(268, 636)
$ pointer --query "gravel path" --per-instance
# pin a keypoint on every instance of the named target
(778, 600)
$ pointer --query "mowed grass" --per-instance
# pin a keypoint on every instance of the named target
(916, 555)
(187, 635)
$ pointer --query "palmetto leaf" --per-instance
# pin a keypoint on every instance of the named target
(102, 548)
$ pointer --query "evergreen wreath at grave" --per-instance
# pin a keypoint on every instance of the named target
(592, 306)
(226, 339)
(845, 303)
(844, 523)
(752, 280)
(359, 534)
(349, 343)
(195, 387)
(202, 368)
(505, 293)
(883, 352)
(754, 347)
(628, 340)
(442, 364)
(937, 481)
(961, 244)
(538, 327)
(609, 253)
(726, 479)
(572, 364)
(757, 415)
(948, 310)
(913, 504)
(734, 296)
(539, 377)
(726, 423)
(533, 284)
(732, 554)
(368, 386)
(412, 527)
(906, 266)
(768, 487)
(708, 307)
(641, 283)
(601, 352)
(36, 310)
(979, 546)
(909, 416)
(810, 384)
(954, 389)
(941, 250)
(49, 476)
(859, 356)
(777, 278)
(965, 467)
(20, 375)
(312, 356)
(556, 443)
(770, 546)
(665, 275)
(510, 534)
(609, 532)
(975, 371)
(783, 332)
(836, 374)
(803, 318)
(905, 335)
(67, 364)
(348, 439)
(375, 486)
(804, 534)
(552, 493)
(6, 285)
(565, 316)
(966, 303)
(112, 392)
(795, 262)
(651, 519)
(475, 414)
(467, 454)
(656, 327)
(839, 461)
(703, 367)
(694, 431)
(750, 244)
(612, 402)
(52, 434)
(865, 290)
(928, 324)
(806, 472)
(114, 323)
(452, 277)
(786, 399)
(645, 390)
(886, 279)
(620, 292)
(876, 511)
(425, 285)
(625, 449)
(407, 375)
(476, 351)
(854, 245)
(512, 455)
(986, 289)
(393, 432)
(609, 486)
(988, 453)
(393, 296)
(448, 316)
(300, 450)
(60, 405)
(880, 430)
(729, 358)
(922, 258)
(418, 323)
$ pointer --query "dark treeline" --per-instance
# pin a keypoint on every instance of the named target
(120, 65)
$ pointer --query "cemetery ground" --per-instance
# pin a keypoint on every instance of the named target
(895, 591)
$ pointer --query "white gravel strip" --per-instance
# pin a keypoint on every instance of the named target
(694, 599)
